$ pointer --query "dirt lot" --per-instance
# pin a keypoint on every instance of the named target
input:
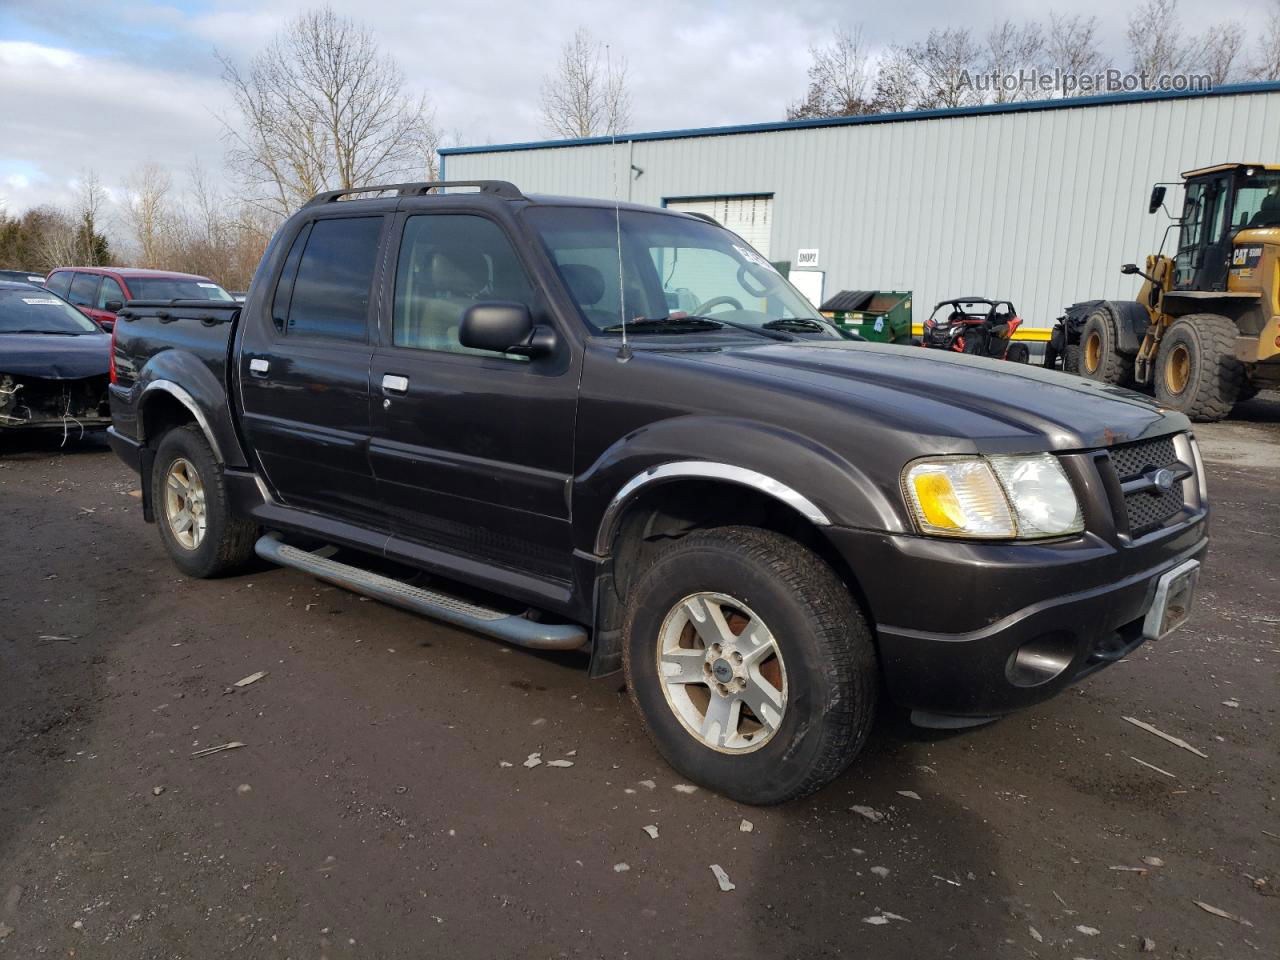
(380, 806)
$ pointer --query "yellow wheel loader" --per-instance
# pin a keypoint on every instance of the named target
(1204, 332)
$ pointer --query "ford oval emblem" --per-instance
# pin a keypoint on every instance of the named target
(1164, 480)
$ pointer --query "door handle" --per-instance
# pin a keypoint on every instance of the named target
(392, 383)
(259, 367)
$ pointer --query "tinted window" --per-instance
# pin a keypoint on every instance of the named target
(176, 288)
(284, 289)
(335, 274)
(60, 283)
(110, 291)
(448, 263)
(84, 289)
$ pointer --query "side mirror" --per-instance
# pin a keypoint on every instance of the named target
(114, 306)
(1157, 198)
(1129, 268)
(504, 328)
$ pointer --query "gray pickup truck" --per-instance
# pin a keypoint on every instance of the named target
(575, 425)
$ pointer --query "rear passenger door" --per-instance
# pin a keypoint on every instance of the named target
(304, 371)
(472, 450)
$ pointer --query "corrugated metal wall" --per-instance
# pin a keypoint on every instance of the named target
(1039, 207)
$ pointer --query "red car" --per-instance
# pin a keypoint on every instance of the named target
(100, 291)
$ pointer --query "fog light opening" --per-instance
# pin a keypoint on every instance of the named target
(1041, 660)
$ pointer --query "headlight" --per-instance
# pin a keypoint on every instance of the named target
(992, 498)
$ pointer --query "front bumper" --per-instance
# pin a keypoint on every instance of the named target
(951, 616)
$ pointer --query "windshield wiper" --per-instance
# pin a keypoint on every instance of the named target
(55, 333)
(796, 323)
(666, 325)
(691, 324)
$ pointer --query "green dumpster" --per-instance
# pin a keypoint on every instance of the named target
(880, 315)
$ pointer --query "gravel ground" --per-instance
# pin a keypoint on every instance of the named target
(380, 806)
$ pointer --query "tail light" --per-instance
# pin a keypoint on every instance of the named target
(111, 362)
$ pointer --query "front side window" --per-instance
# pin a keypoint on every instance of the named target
(110, 291)
(668, 274)
(334, 279)
(449, 262)
(84, 289)
(1258, 201)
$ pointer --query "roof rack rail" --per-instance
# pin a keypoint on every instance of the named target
(498, 188)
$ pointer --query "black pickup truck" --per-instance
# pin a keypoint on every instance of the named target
(579, 425)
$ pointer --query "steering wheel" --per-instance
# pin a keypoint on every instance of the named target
(702, 308)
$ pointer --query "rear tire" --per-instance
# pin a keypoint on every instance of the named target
(744, 611)
(1071, 359)
(200, 532)
(1100, 357)
(1197, 372)
(1018, 353)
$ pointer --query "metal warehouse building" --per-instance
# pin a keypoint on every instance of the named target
(1037, 202)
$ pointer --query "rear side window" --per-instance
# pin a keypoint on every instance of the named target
(60, 283)
(334, 278)
(84, 289)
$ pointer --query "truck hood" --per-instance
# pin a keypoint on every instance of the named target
(944, 394)
(53, 357)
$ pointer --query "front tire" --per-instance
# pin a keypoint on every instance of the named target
(1197, 372)
(201, 534)
(750, 663)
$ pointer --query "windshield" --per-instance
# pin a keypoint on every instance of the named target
(174, 288)
(1258, 201)
(674, 269)
(32, 311)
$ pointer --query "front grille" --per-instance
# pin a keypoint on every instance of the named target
(1134, 459)
(1146, 510)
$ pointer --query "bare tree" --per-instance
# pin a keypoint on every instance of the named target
(149, 214)
(946, 63)
(839, 79)
(1266, 64)
(897, 83)
(1156, 45)
(1221, 52)
(1010, 49)
(586, 95)
(321, 107)
(1072, 47)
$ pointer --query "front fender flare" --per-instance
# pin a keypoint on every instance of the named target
(816, 482)
(705, 469)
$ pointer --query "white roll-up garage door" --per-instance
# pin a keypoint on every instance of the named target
(748, 217)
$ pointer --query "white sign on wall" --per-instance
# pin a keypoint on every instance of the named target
(809, 283)
(807, 259)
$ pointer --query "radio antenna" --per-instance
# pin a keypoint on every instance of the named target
(624, 354)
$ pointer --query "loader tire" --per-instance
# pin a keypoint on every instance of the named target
(1100, 356)
(1197, 372)
(1071, 359)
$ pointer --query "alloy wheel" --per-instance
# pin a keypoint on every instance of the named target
(722, 672)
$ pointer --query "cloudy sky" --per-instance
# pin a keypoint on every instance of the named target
(108, 84)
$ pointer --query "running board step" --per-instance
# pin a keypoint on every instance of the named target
(430, 603)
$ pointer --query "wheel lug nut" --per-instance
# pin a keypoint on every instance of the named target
(737, 657)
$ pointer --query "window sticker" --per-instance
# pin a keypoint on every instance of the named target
(210, 286)
(752, 257)
(41, 301)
